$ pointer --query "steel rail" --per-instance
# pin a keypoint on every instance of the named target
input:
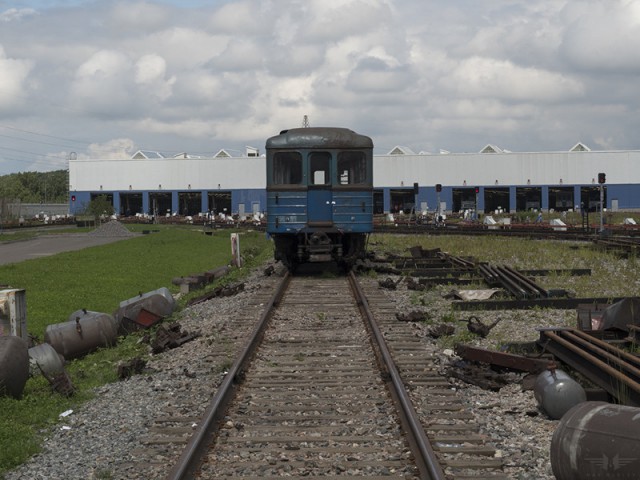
(190, 460)
(624, 369)
(533, 286)
(426, 459)
(617, 352)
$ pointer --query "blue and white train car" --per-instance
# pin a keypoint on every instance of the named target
(319, 194)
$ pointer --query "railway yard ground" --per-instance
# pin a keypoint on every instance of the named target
(137, 427)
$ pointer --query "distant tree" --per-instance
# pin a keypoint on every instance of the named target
(35, 187)
(100, 207)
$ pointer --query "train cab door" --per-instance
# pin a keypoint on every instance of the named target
(319, 193)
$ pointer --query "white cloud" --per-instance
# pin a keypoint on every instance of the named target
(100, 84)
(16, 14)
(526, 75)
(150, 73)
(479, 77)
(603, 36)
(13, 77)
(117, 148)
(138, 16)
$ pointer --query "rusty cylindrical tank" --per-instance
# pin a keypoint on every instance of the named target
(85, 332)
(597, 440)
(45, 359)
(556, 392)
(14, 365)
(159, 303)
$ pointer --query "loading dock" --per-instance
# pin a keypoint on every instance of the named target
(160, 203)
(561, 198)
(590, 198)
(528, 198)
(464, 199)
(496, 198)
(220, 202)
(189, 203)
(402, 200)
(130, 204)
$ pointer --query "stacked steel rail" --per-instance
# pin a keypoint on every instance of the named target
(609, 367)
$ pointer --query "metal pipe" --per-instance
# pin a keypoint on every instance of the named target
(619, 353)
(603, 353)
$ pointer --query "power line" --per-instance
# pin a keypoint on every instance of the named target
(37, 141)
(84, 142)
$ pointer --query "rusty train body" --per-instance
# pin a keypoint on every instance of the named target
(319, 194)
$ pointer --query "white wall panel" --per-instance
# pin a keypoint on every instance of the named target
(546, 168)
(171, 174)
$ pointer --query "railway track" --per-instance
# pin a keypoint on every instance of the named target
(169, 432)
(462, 449)
(314, 402)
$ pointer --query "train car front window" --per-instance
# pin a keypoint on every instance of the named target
(287, 168)
(320, 162)
(352, 168)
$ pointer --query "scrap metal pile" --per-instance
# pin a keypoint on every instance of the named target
(578, 375)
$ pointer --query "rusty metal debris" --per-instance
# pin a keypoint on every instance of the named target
(475, 326)
(60, 382)
(441, 330)
(502, 359)
(145, 310)
(414, 316)
(620, 315)
(196, 281)
(171, 336)
(479, 375)
(222, 291)
(389, 283)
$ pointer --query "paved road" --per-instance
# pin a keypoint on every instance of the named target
(46, 245)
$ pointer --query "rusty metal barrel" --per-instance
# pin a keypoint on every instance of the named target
(597, 440)
(14, 365)
(556, 392)
(85, 332)
(45, 359)
(145, 309)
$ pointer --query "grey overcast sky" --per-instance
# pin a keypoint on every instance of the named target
(102, 79)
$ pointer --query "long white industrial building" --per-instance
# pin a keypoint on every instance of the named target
(486, 181)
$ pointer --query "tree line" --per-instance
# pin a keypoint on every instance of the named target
(35, 187)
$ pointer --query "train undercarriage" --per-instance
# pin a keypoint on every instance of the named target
(320, 246)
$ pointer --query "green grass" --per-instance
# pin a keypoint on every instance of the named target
(98, 279)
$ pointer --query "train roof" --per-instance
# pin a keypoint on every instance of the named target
(319, 137)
